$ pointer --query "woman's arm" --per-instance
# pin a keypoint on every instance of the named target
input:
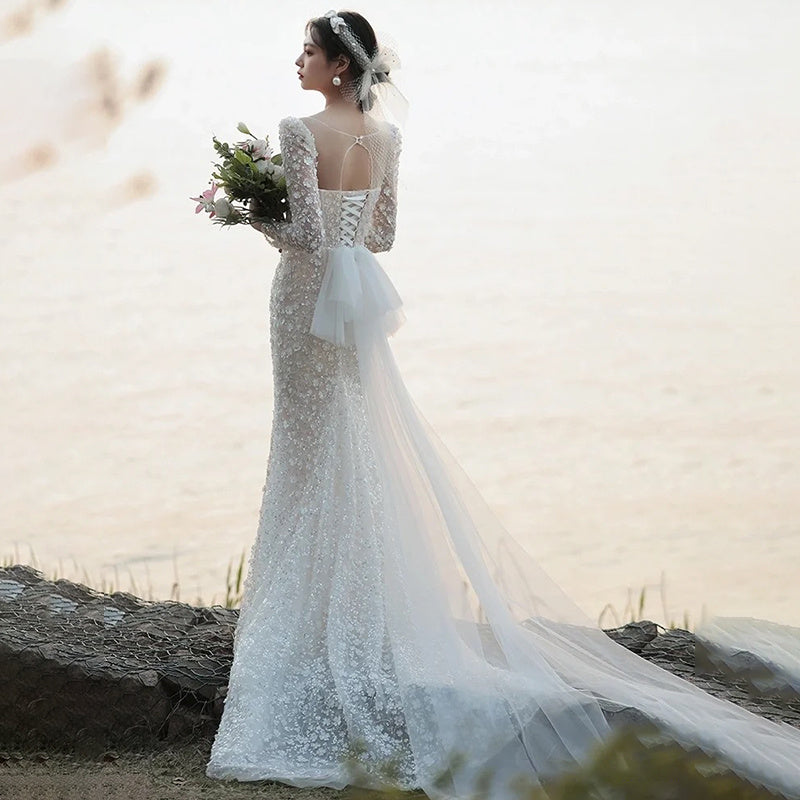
(299, 164)
(380, 236)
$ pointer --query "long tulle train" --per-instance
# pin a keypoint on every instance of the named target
(492, 660)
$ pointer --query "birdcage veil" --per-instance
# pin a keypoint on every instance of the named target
(374, 89)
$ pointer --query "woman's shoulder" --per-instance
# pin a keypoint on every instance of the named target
(291, 123)
(395, 133)
(294, 128)
(391, 131)
(386, 127)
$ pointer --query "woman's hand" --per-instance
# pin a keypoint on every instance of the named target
(257, 224)
(264, 227)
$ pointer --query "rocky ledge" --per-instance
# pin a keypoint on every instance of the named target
(86, 671)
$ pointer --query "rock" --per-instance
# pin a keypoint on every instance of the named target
(92, 672)
(87, 670)
(635, 635)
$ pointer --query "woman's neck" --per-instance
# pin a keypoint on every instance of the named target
(341, 105)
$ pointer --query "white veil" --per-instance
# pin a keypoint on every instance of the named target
(514, 676)
(495, 665)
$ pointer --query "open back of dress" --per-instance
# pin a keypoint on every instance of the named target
(351, 167)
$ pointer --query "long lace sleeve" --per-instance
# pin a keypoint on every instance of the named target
(384, 217)
(304, 231)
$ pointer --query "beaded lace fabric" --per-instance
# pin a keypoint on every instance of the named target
(384, 605)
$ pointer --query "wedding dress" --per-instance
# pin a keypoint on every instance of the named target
(384, 603)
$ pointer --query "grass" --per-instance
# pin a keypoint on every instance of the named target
(234, 579)
(636, 763)
(633, 611)
(610, 616)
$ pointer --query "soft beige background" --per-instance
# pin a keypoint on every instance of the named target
(597, 246)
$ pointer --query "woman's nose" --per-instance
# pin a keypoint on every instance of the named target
(299, 61)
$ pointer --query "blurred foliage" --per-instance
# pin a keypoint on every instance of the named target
(22, 19)
(635, 764)
(91, 99)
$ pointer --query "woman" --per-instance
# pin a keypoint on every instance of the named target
(386, 613)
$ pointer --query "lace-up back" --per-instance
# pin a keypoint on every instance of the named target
(351, 209)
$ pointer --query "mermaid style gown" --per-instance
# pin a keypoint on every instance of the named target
(386, 612)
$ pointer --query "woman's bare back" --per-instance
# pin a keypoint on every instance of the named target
(348, 151)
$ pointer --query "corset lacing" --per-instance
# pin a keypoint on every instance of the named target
(352, 206)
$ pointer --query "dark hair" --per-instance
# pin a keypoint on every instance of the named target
(324, 36)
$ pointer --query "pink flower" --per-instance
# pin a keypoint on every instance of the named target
(205, 202)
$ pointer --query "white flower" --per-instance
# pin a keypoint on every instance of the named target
(277, 171)
(265, 167)
(257, 148)
(223, 207)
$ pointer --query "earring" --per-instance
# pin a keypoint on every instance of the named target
(337, 80)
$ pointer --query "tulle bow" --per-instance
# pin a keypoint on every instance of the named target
(355, 292)
(335, 19)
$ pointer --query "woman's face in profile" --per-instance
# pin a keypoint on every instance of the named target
(315, 71)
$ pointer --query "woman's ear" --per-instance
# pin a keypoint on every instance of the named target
(342, 64)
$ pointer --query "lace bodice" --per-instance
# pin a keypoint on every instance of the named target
(323, 218)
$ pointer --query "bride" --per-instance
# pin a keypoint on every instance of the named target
(386, 612)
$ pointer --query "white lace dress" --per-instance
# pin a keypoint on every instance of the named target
(386, 613)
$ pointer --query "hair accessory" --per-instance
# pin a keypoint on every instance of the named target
(336, 21)
(374, 86)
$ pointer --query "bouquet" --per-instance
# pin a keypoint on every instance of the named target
(252, 177)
